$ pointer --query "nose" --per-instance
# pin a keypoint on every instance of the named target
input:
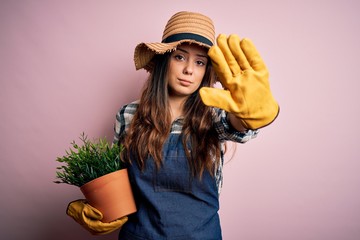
(188, 68)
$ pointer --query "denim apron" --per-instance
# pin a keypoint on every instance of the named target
(172, 204)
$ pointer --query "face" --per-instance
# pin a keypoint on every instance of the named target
(187, 66)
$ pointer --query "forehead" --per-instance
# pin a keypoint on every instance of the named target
(193, 48)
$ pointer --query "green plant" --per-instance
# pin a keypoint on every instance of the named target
(91, 160)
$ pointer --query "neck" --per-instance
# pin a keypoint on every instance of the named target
(176, 106)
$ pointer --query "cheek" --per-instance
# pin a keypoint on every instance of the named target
(173, 69)
(200, 76)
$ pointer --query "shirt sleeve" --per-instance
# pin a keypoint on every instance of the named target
(227, 132)
(123, 121)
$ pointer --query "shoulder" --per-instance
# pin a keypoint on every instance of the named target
(129, 108)
(126, 112)
(124, 116)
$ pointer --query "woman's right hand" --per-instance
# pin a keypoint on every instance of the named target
(90, 218)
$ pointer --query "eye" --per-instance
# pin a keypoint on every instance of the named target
(200, 63)
(179, 57)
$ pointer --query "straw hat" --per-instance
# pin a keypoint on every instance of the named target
(182, 27)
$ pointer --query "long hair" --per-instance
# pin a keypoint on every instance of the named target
(147, 134)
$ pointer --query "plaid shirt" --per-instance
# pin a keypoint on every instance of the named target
(222, 126)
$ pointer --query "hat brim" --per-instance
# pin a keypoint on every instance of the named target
(144, 52)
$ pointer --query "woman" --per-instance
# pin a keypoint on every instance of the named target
(175, 134)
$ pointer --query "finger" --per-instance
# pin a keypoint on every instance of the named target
(219, 64)
(252, 55)
(222, 42)
(119, 222)
(219, 98)
(101, 228)
(234, 44)
(92, 213)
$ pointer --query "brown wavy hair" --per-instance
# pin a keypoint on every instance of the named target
(147, 134)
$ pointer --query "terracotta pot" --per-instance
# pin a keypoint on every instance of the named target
(111, 194)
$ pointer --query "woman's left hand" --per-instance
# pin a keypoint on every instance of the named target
(244, 76)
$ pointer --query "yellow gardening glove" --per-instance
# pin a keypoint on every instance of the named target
(244, 76)
(90, 218)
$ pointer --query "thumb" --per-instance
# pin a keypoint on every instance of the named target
(215, 97)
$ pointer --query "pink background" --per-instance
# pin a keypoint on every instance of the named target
(67, 67)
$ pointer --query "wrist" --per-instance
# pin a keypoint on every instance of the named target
(236, 122)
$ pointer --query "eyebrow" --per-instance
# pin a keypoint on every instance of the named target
(183, 50)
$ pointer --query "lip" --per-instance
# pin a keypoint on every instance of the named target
(184, 82)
